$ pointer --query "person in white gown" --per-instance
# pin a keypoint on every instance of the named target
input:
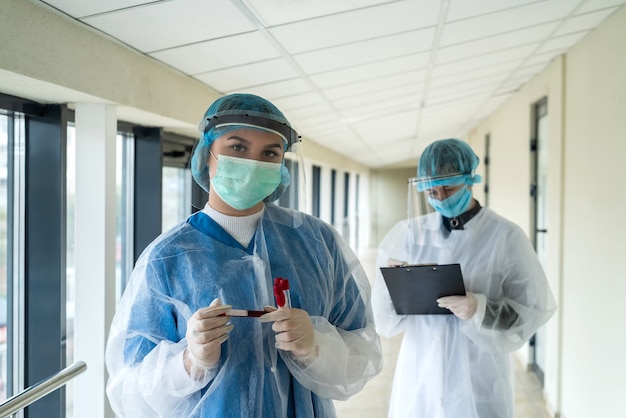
(460, 365)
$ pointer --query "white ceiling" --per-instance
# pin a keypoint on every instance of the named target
(374, 80)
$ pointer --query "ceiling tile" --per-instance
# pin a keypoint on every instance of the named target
(278, 12)
(78, 9)
(415, 62)
(396, 125)
(367, 52)
(300, 100)
(249, 75)
(305, 112)
(532, 14)
(495, 43)
(543, 58)
(376, 110)
(465, 9)
(166, 24)
(219, 53)
(358, 25)
(561, 43)
(274, 90)
(483, 61)
(583, 22)
(444, 76)
(405, 92)
(379, 84)
(481, 84)
(599, 4)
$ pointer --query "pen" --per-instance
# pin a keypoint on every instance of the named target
(281, 292)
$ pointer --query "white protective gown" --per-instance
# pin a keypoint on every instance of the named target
(453, 368)
(195, 262)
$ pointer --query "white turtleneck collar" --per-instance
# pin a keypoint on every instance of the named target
(239, 227)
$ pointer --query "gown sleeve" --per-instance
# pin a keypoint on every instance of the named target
(144, 353)
(349, 351)
(517, 300)
(388, 322)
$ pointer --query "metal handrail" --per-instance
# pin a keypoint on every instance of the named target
(41, 389)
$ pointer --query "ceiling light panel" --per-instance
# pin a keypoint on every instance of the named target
(532, 14)
(219, 53)
(160, 23)
(279, 12)
(248, 75)
(357, 25)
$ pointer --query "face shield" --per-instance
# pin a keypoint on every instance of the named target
(246, 111)
(446, 194)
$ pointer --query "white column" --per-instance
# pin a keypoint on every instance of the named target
(96, 129)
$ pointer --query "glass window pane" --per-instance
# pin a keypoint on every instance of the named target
(176, 196)
(4, 156)
(124, 209)
(70, 270)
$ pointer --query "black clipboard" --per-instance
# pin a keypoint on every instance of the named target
(415, 289)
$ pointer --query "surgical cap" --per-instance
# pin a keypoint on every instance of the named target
(447, 162)
(240, 111)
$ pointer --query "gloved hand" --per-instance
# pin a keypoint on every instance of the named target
(294, 331)
(463, 307)
(206, 331)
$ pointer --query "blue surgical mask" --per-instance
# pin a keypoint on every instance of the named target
(454, 205)
(242, 183)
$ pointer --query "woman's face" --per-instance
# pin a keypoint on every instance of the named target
(251, 144)
(443, 192)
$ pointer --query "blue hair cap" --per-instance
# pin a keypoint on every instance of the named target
(447, 162)
(239, 111)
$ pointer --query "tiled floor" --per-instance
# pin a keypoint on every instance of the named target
(373, 400)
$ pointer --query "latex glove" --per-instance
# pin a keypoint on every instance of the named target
(294, 331)
(463, 307)
(206, 331)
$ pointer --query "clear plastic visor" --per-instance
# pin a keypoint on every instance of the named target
(455, 179)
(254, 120)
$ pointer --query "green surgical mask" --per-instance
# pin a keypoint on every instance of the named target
(242, 183)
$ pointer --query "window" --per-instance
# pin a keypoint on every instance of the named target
(316, 190)
(176, 196)
(4, 253)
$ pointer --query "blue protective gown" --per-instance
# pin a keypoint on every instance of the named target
(193, 263)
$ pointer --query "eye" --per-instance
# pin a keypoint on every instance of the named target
(237, 147)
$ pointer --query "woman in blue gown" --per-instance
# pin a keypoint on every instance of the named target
(172, 351)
